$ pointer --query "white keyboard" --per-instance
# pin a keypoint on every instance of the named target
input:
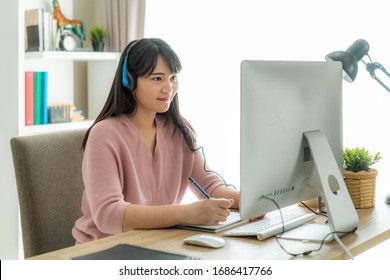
(271, 224)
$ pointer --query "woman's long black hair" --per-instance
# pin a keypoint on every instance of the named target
(141, 61)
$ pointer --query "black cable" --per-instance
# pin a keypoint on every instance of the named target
(308, 252)
(212, 171)
(317, 213)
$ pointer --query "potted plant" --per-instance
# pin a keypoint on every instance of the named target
(359, 177)
(98, 34)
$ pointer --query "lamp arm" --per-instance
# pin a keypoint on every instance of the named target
(371, 67)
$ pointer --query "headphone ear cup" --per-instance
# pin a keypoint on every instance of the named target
(131, 80)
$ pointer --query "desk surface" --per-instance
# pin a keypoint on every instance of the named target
(374, 228)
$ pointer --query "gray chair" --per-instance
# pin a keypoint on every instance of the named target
(49, 186)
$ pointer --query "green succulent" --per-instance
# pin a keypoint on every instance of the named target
(359, 159)
(98, 34)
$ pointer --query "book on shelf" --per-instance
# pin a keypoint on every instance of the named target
(33, 37)
(59, 113)
(54, 35)
(50, 30)
(29, 98)
(46, 31)
(37, 97)
(40, 30)
(44, 107)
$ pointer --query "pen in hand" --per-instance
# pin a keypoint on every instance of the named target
(198, 187)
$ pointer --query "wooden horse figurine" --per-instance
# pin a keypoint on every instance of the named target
(76, 26)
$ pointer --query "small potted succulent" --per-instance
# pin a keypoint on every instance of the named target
(98, 34)
(359, 177)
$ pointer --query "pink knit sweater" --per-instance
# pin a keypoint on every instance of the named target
(118, 169)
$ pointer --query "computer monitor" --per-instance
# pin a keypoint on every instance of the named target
(291, 138)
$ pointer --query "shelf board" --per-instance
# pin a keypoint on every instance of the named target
(55, 127)
(75, 55)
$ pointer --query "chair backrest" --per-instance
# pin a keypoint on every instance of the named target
(49, 186)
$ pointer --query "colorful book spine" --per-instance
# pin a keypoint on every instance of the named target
(38, 97)
(37, 109)
(29, 98)
(44, 105)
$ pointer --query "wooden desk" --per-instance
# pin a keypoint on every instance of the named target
(374, 228)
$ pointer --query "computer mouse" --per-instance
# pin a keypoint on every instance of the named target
(387, 199)
(205, 240)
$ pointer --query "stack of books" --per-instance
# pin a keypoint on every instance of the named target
(40, 31)
(59, 113)
(36, 107)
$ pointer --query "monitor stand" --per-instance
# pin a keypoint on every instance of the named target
(342, 214)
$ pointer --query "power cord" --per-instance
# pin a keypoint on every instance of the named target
(343, 246)
(212, 171)
(308, 252)
(315, 212)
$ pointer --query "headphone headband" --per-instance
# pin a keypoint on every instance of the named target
(125, 81)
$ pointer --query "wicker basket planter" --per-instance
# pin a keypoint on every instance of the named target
(361, 187)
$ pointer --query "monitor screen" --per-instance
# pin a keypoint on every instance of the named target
(282, 104)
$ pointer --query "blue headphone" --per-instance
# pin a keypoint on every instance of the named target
(128, 77)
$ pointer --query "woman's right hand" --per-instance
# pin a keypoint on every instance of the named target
(208, 212)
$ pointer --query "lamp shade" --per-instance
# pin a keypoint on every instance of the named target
(350, 58)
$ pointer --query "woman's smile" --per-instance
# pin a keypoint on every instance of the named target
(164, 99)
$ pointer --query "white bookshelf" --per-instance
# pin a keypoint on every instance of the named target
(82, 78)
(74, 56)
(96, 80)
(55, 127)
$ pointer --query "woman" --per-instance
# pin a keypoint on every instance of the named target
(140, 153)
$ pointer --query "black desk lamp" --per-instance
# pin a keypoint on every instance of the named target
(350, 59)
(352, 56)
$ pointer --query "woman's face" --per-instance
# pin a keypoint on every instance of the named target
(155, 92)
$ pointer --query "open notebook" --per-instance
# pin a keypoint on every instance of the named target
(232, 220)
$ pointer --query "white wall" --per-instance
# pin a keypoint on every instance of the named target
(8, 128)
(212, 37)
